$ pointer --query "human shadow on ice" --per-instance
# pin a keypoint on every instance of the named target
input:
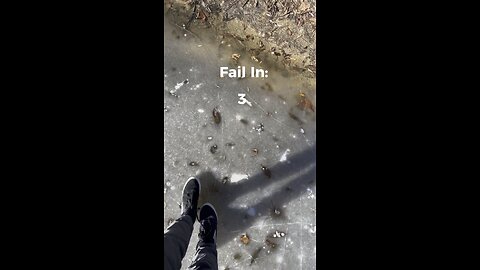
(289, 180)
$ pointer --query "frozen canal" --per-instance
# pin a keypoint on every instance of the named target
(256, 163)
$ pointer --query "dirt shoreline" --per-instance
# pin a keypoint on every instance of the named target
(277, 33)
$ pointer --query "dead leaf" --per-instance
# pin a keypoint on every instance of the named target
(245, 239)
(304, 102)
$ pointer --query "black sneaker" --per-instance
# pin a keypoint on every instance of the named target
(191, 192)
(208, 224)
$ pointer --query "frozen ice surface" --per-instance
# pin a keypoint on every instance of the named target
(257, 166)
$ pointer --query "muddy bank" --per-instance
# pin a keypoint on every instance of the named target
(274, 33)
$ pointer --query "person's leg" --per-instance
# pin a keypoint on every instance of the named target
(175, 242)
(177, 236)
(206, 253)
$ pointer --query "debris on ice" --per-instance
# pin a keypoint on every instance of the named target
(236, 177)
(284, 156)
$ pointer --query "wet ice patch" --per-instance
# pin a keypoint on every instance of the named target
(237, 177)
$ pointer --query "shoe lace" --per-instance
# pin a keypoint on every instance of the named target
(206, 230)
(188, 199)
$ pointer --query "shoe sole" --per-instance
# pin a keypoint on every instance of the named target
(199, 187)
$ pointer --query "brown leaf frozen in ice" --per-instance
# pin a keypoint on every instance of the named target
(304, 103)
(245, 239)
(270, 243)
(255, 255)
(217, 118)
